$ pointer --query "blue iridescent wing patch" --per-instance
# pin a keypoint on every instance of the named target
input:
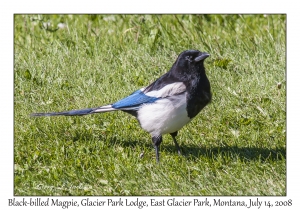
(134, 100)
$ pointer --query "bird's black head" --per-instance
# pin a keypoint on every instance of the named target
(189, 62)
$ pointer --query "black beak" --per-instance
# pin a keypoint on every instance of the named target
(202, 57)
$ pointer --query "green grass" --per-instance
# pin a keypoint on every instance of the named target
(235, 146)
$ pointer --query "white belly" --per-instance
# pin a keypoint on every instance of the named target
(164, 116)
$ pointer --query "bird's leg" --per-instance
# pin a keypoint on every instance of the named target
(156, 141)
(156, 147)
(176, 144)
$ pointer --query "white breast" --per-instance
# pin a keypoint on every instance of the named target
(166, 115)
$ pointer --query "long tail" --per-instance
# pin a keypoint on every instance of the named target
(78, 112)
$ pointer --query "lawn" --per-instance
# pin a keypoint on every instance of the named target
(235, 146)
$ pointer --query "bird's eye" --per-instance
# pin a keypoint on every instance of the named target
(188, 58)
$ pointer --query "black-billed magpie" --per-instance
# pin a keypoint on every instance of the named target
(167, 104)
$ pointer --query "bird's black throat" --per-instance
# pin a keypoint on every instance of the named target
(198, 93)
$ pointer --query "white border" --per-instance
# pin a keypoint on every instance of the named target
(192, 6)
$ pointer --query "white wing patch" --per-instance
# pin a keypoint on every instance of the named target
(169, 90)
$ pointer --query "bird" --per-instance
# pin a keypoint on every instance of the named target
(167, 104)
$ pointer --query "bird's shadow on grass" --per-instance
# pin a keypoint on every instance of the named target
(235, 152)
(194, 152)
